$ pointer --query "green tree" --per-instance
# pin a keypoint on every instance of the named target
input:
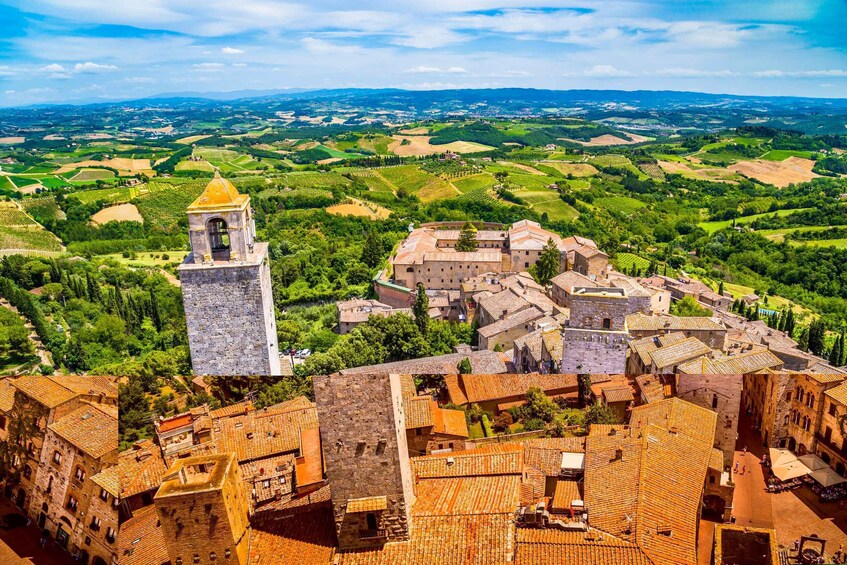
(584, 389)
(720, 288)
(464, 367)
(836, 354)
(547, 265)
(372, 249)
(539, 405)
(689, 307)
(421, 309)
(467, 238)
(599, 413)
(817, 331)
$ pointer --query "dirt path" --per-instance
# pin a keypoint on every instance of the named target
(43, 355)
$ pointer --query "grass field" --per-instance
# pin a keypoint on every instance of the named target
(625, 261)
(150, 259)
(573, 169)
(623, 204)
(837, 243)
(774, 302)
(165, 203)
(88, 175)
(34, 238)
(110, 195)
(204, 166)
(783, 154)
(712, 227)
(472, 182)
(779, 234)
(43, 207)
(12, 216)
(227, 160)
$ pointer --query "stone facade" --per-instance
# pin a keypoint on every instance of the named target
(226, 288)
(596, 339)
(767, 397)
(366, 453)
(230, 316)
(722, 394)
(203, 511)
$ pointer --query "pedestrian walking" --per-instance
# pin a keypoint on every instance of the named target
(736, 467)
(797, 545)
(743, 469)
(745, 450)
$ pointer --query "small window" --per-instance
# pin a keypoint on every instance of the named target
(832, 409)
(79, 474)
(57, 458)
(2, 422)
(714, 401)
(104, 495)
(607, 323)
(371, 520)
(27, 472)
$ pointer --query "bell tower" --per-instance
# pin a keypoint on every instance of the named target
(226, 287)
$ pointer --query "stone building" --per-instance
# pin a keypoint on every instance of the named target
(77, 447)
(832, 442)
(806, 410)
(722, 395)
(203, 511)
(226, 287)
(707, 330)
(595, 338)
(363, 430)
(767, 398)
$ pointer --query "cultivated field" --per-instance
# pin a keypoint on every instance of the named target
(608, 139)
(125, 166)
(575, 169)
(88, 175)
(356, 207)
(21, 234)
(707, 173)
(712, 227)
(419, 145)
(792, 170)
(119, 213)
(521, 167)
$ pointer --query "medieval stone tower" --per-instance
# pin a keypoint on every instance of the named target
(226, 287)
(203, 511)
(596, 338)
(363, 432)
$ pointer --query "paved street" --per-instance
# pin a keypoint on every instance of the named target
(24, 541)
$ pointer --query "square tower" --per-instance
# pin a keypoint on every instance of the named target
(595, 338)
(203, 511)
(363, 431)
(226, 287)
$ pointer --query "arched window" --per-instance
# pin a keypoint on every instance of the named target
(811, 401)
(714, 401)
(218, 235)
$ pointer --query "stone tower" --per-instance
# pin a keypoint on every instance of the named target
(363, 432)
(226, 287)
(596, 338)
(203, 511)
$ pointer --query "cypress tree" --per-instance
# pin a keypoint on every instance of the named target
(421, 309)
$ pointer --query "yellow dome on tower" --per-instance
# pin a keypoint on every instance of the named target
(219, 194)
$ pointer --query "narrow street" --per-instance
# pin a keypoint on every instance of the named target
(752, 504)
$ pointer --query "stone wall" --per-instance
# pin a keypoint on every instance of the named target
(363, 434)
(588, 311)
(230, 317)
(207, 522)
(593, 351)
(721, 394)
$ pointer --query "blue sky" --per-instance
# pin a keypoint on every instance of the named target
(61, 50)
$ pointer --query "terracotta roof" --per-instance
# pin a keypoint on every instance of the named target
(838, 394)
(265, 478)
(570, 279)
(742, 364)
(90, 429)
(668, 357)
(511, 321)
(689, 419)
(310, 463)
(466, 496)
(306, 536)
(496, 460)
(825, 378)
(219, 193)
(482, 539)
(260, 433)
(483, 361)
(449, 422)
(652, 388)
(7, 395)
(369, 504)
(567, 490)
(44, 390)
(716, 459)
(617, 393)
(642, 322)
(554, 547)
(237, 408)
(109, 480)
(141, 468)
(174, 423)
(142, 541)
(545, 454)
(464, 389)
(418, 411)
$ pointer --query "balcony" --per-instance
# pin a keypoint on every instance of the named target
(379, 533)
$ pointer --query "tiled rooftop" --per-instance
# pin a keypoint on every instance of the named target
(141, 540)
(90, 429)
(465, 389)
(141, 468)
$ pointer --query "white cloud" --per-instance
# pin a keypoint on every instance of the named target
(437, 70)
(231, 51)
(140, 80)
(54, 68)
(9, 92)
(208, 66)
(606, 71)
(837, 73)
(90, 68)
(239, 64)
(7, 71)
(693, 73)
